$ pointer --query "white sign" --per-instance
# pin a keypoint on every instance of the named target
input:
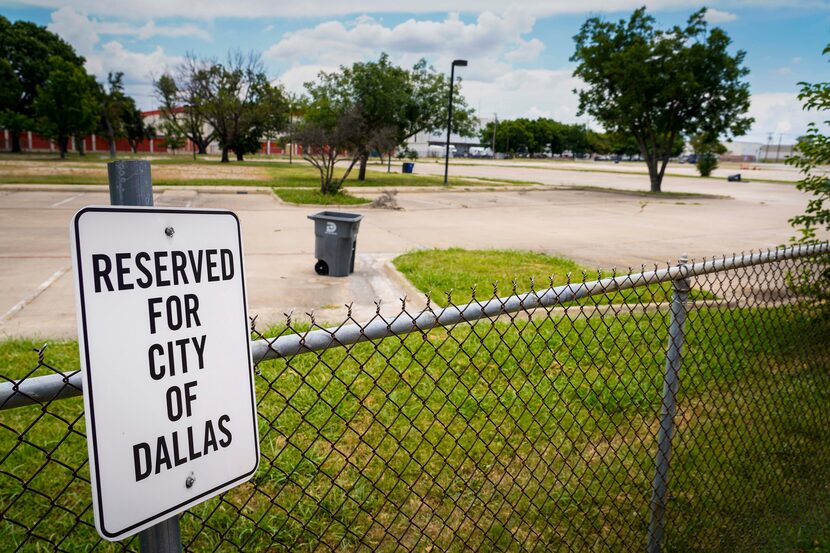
(165, 351)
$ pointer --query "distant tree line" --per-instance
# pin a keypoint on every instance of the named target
(539, 136)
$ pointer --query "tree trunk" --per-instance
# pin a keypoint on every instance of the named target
(225, 155)
(361, 174)
(15, 137)
(62, 142)
(79, 145)
(654, 174)
(202, 147)
(240, 156)
(110, 138)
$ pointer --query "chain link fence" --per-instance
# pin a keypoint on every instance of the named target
(679, 409)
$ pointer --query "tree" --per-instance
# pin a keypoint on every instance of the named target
(328, 137)
(395, 104)
(27, 49)
(178, 96)
(173, 138)
(115, 107)
(134, 127)
(378, 90)
(657, 85)
(813, 156)
(236, 99)
(429, 103)
(65, 104)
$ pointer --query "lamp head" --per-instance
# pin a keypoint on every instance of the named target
(459, 63)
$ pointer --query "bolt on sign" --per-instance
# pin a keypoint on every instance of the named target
(166, 360)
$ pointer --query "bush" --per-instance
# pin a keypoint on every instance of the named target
(706, 163)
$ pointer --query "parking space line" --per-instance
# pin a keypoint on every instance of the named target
(69, 199)
(16, 308)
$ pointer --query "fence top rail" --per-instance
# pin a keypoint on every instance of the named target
(59, 386)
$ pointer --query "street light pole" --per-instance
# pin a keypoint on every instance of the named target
(459, 63)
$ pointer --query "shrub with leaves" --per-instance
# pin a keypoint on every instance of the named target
(813, 154)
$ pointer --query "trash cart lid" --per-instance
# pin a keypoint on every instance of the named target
(337, 216)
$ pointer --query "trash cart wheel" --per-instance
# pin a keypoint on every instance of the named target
(321, 267)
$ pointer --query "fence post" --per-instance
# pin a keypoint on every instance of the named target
(660, 485)
(130, 183)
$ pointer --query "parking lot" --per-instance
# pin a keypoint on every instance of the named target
(596, 228)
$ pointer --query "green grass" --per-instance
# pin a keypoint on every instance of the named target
(533, 435)
(315, 197)
(437, 272)
(283, 175)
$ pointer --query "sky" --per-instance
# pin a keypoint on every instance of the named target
(518, 51)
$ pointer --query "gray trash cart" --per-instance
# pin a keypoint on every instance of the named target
(335, 242)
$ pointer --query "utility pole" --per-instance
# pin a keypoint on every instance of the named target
(495, 124)
(778, 149)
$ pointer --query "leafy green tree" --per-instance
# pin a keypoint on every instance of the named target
(115, 110)
(27, 49)
(813, 157)
(65, 103)
(236, 99)
(429, 102)
(657, 85)
(394, 103)
(136, 130)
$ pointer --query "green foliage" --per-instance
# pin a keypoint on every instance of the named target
(813, 157)
(26, 50)
(706, 163)
(66, 103)
(528, 137)
(235, 97)
(394, 103)
(116, 108)
(657, 85)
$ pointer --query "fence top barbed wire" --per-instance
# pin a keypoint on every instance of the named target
(19, 393)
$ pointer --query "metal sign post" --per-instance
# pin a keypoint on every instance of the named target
(131, 183)
(166, 360)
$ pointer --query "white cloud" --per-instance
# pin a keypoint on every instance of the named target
(139, 68)
(525, 50)
(139, 65)
(717, 16)
(252, 9)
(489, 38)
(779, 113)
(83, 31)
(783, 71)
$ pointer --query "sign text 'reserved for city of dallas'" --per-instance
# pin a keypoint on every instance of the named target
(166, 359)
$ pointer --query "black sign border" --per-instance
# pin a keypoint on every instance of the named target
(88, 384)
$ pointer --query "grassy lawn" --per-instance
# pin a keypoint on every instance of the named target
(315, 197)
(437, 272)
(531, 435)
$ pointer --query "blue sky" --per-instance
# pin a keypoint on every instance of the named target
(518, 51)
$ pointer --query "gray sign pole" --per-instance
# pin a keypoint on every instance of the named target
(131, 184)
